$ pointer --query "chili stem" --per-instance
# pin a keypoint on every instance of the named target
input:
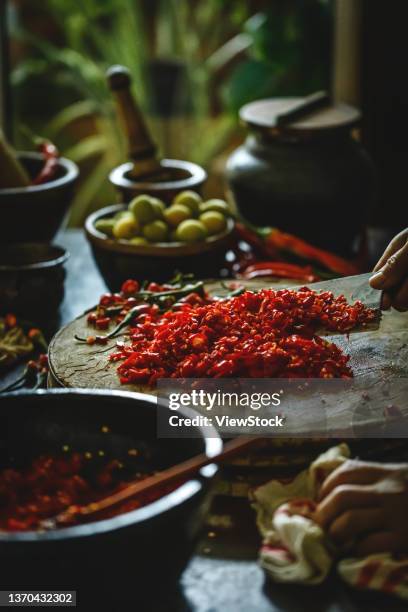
(150, 297)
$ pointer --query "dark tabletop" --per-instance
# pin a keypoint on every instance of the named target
(223, 575)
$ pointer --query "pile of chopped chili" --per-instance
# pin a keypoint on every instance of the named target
(272, 333)
(52, 483)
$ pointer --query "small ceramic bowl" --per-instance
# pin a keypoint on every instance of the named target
(120, 260)
(35, 213)
(32, 279)
(182, 175)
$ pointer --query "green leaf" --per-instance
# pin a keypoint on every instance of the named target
(92, 146)
(68, 115)
(87, 196)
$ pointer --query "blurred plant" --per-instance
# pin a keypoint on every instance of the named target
(179, 67)
(289, 54)
(93, 36)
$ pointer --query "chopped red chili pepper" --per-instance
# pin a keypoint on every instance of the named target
(91, 318)
(10, 320)
(129, 287)
(155, 287)
(50, 154)
(102, 323)
(107, 299)
(266, 334)
(51, 483)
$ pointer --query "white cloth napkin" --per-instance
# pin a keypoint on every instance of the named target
(296, 549)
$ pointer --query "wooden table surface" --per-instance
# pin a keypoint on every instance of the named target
(223, 575)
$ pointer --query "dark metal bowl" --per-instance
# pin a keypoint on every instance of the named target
(117, 260)
(182, 175)
(111, 562)
(35, 213)
(32, 279)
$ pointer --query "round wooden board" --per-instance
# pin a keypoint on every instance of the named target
(380, 353)
(73, 364)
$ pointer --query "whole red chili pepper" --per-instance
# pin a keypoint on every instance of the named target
(272, 242)
(251, 236)
(50, 154)
(281, 270)
(282, 241)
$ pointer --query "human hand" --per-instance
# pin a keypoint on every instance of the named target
(364, 507)
(391, 273)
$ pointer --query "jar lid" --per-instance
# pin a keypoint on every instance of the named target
(264, 114)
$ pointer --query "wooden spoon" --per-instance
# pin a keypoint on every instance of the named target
(181, 471)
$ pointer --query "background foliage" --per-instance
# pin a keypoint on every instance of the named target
(193, 63)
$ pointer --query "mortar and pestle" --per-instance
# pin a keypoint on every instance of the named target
(32, 212)
(145, 172)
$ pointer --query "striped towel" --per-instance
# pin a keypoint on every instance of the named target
(296, 549)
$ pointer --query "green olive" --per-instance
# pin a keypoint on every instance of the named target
(120, 214)
(173, 236)
(143, 209)
(191, 199)
(126, 227)
(213, 221)
(176, 213)
(159, 207)
(191, 230)
(216, 205)
(138, 241)
(105, 226)
(156, 231)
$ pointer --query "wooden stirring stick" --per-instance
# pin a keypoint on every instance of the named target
(152, 483)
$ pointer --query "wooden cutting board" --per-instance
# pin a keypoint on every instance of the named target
(381, 351)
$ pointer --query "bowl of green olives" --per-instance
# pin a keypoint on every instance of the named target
(148, 240)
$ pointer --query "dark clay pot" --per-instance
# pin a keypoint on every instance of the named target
(314, 180)
(119, 563)
(35, 213)
(32, 279)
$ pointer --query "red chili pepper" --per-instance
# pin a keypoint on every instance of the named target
(10, 320)
(106, 299)
(130, 287)
(102, 323)
(49, 484)
(50, 154)
(280, 270)
(272, 242)
(265, 334)
(282, 241)
(155, 287)
(251, 237)
(43, 360)
(34, 333)
(91, 318)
